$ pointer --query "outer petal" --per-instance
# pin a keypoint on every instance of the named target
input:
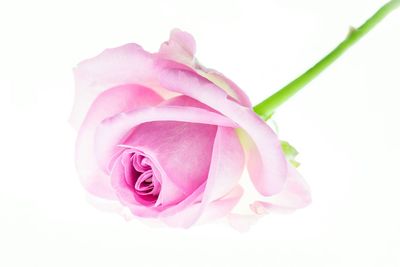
(114, 131)
(295, 195)
(131, 64)
(185, 101)
(267, 164)
(224, 83)
(109, 103)
(181, 48)
(221, 207)
(128, 64)
(215, 210)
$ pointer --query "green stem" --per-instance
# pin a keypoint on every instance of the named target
(267, 107)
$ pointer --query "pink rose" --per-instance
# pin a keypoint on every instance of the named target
(169, 139)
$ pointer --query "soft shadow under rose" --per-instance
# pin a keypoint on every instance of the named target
(169, 139)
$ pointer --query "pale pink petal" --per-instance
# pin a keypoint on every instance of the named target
(224, 83)
(113, 131)
(128, 64)
(181, 47)
(109, 103)
(131, 64)
(227, 164)
(267, 164)
(215, 210)
(221, 207)
(170, 193)
(194, 197)
(185, 101)
(242, 222)
(294, 195)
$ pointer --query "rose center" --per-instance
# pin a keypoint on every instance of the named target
(146, 186)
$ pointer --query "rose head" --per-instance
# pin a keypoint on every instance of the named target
(169, 139)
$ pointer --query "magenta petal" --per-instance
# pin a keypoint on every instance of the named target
(144, 184)
(113, 131)
(294, 195)
(125, 193)
(109, 103)
(140, 162)
(168, 193)
(182, 149)
(129, 172)
(267, 164)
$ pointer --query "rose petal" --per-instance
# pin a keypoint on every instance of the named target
(185, 101)
(242, 222)
(216, 209)
(182, 149)
(181, 47)
(226, 167)
(113, 131)
(130, 174)
(294, 195)
(131, 64)
(169, 194)
(128, 64)
(224, 83)
(191, 199)
(125, 193)
(221, 207)
(267, 164)
(232, 144)
(127, 199)
(111, 102)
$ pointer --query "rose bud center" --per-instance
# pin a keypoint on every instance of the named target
(142, 179)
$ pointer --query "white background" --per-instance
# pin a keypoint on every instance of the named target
(345, 125)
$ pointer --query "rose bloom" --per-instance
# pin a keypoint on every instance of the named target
(169, 139)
